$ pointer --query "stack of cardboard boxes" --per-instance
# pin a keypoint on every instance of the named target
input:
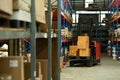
(14, 67)
(27, 71)
(22, 12)
(82, 48)
(6, 7)
(11, 68)
(21, 5)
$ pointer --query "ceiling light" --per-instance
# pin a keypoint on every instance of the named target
(87, 2)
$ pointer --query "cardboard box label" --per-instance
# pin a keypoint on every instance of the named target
(13, 63)
(5, 77)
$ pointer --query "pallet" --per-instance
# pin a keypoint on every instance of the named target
(4, 20)
(13, 29)
(20, 24)
(55, 31)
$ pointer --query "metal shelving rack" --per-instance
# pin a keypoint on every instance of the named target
(6, 34)
(33, 35)
(43, 35)
(114, 21)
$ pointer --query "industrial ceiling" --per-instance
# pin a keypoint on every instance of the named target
(79, 5)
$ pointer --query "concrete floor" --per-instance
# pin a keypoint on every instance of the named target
(108, 69)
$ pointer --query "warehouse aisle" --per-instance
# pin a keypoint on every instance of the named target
(109, 69)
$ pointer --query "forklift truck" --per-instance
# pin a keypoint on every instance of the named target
(91, 60)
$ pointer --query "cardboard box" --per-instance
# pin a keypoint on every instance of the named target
(44, 27)
(27, 70)
(44, 68)
(38, 78)
(54, 2)
(6, 6)
(83, 38)
(82, 44)
(54, 25)
(22, 5)
(73, 50)
(5, 77)
(40, 11)
(13, 66)
(84, 52)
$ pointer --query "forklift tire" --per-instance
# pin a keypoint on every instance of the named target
(89, 63)
(95, 63)
(71, 63)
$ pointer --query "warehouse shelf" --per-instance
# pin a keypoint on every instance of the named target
(114, 22)
(20, 33)
(65, 40)
(11, 34)
(113, 4)
(64, 16)
(16, 35)
(116, 39)
(114, 19)
(45, 35)
(68, 1)
(2, 49)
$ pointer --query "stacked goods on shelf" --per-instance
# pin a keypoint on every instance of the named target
(21, 5)
(44, 68)
(64, 33)
(22, 16)
(27, 71)
(42, 53)
(44, 27)
(6, 10)
(4, 50)
(66, 30)
(6, 7)
(114, 31)
(14, 67)
(40, 11)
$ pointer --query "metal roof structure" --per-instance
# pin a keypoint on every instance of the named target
(96, 5)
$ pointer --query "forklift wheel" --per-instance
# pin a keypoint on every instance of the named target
(71, 63)
(89, 63)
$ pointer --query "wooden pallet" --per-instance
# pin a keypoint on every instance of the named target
(13, 29)
(4, 20)
(20, 24)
